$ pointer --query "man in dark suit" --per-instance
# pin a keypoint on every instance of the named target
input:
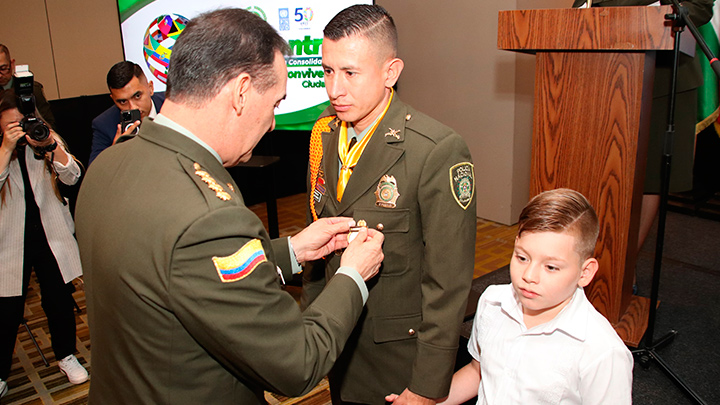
(129, 90)
(688, 80)
(412, 177)
(183, 284)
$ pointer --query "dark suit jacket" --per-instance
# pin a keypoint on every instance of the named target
(105, 125)
(165, 328)
(42, 105)
(408, 334)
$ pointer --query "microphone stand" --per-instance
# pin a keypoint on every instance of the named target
(648, 348)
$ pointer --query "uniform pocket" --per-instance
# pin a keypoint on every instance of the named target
(395, 226)
(395, 328)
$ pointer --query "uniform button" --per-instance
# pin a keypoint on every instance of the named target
(407, 117)
(411, 332)
(380, 227)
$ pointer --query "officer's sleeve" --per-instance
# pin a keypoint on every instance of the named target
(447, 205)
(283, 258)
(225, 291)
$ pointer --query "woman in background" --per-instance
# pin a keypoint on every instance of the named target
(36, 232)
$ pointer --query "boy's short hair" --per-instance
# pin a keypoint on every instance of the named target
(562, 210)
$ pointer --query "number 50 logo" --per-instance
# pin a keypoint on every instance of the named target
(303, 14)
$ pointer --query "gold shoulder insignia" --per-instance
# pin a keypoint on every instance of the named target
(212, 184)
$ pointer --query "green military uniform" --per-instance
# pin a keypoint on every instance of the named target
(183, 295)
(688, 80)
(415, 177)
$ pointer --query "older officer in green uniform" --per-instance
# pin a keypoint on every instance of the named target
(184, 298)
(382, 162)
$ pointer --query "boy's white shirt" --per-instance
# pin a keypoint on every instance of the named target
(576, 358)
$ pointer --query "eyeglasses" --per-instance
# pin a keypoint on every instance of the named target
(4, 68)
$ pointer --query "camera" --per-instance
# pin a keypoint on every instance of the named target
(33, 126)
(127, 118)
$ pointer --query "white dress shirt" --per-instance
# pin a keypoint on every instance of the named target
(576, 358)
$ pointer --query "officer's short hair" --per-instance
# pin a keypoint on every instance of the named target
(370, 21)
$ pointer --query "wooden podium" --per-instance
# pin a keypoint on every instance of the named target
(593, 88)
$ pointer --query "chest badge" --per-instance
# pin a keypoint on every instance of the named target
(386, 194)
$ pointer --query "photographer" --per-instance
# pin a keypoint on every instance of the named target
(36, 232)
(129, 90)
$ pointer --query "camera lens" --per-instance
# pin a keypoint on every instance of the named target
(35, 128)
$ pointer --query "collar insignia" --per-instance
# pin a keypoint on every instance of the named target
(393, 132)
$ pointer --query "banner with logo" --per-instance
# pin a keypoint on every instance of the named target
(151, 27)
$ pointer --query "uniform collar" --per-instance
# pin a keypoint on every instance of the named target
(167, 122)
(380, 154)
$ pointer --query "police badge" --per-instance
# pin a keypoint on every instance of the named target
(386, 194)
(462, 183)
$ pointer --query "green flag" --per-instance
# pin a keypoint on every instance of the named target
(708, 100)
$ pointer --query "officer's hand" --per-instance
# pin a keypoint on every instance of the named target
(321, 238)
(364, 253)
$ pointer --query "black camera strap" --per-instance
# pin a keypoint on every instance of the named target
(32, 211)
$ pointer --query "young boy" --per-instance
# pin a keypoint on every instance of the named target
(539, 340)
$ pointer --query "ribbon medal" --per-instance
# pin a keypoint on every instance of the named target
(319, 186)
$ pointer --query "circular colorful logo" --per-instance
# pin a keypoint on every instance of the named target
(159, 40)
(257, 11)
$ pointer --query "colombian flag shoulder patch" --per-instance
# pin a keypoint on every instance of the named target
(241, 263)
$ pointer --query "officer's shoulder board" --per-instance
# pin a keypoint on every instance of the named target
(426, 126)
(209, 187)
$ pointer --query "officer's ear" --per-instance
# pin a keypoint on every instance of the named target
(393, 69)
(241, 86)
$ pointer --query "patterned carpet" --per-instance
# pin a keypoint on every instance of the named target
(32, 383)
